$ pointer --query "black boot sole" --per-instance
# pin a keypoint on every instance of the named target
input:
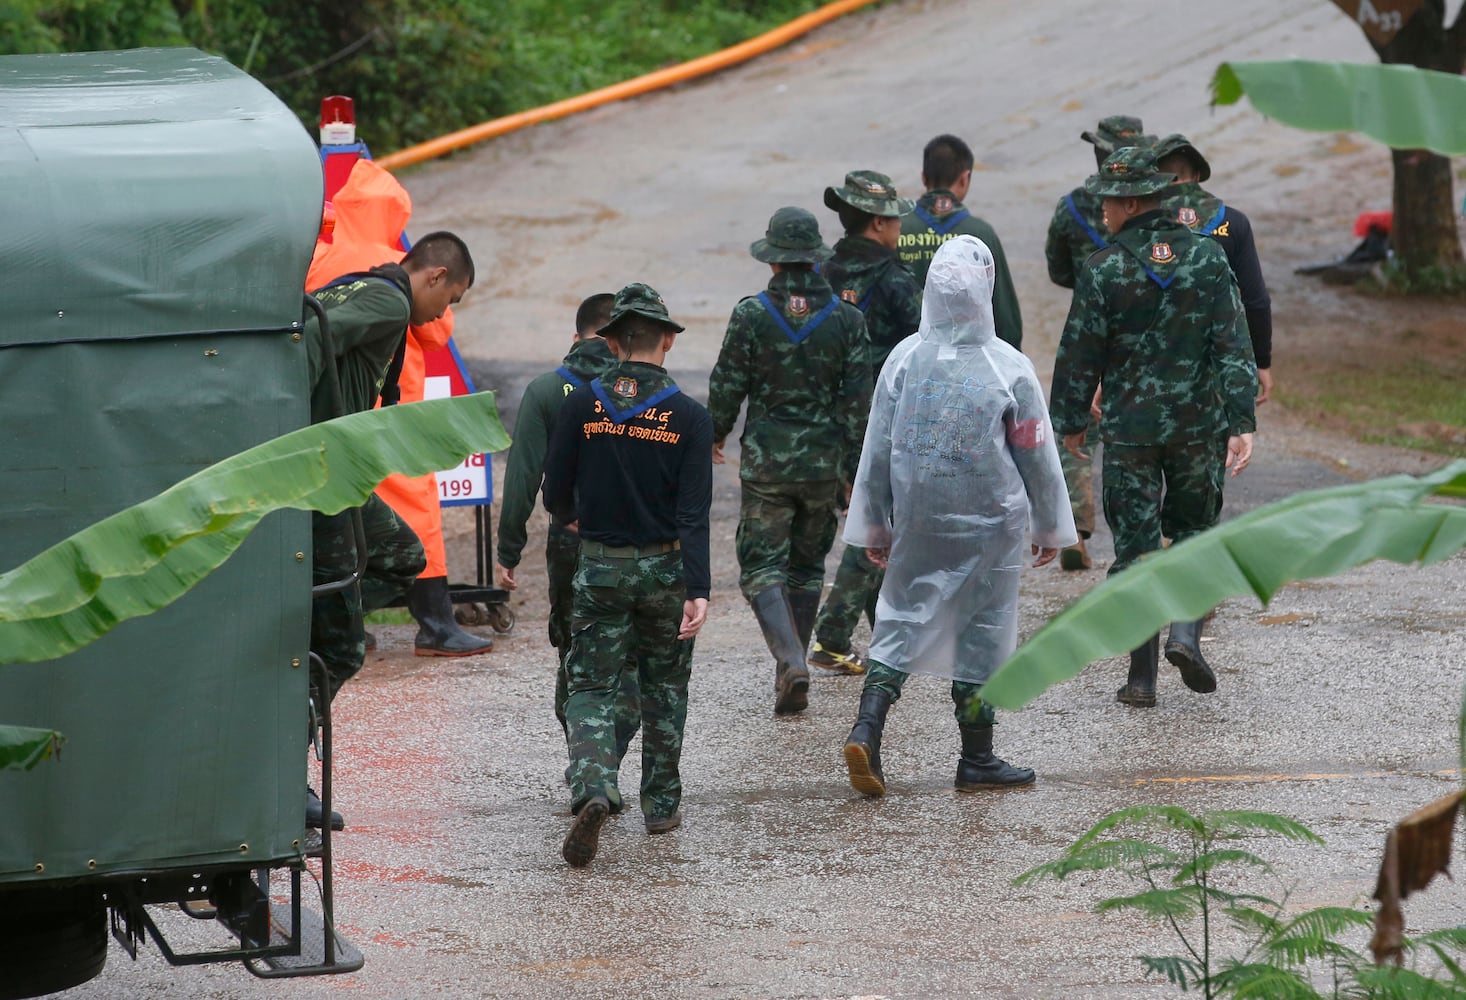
(1195, 673)
(585, 834)
(1128, 696)
(863, 777)
(792, 696)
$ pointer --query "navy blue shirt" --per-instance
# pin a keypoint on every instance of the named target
(631, 459)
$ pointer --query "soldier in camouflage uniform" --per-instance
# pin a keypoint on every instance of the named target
(369, 314)
(946, 173)
(867, 272)
(630, 459)
(1157, 318)
(800, 357)
(1076, 231)
(589, 358)
(1205, 213)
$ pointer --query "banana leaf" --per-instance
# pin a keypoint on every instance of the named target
(147, 556)
(1308, 535)
(22, 748)
(1404, 107)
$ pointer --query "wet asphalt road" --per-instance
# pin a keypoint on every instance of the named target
(1337, 704)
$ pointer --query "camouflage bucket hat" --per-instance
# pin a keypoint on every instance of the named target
(1178, 143)
(642, 300)
(1128, 173)
(1116, 132)
(793, 238)
(870, 192)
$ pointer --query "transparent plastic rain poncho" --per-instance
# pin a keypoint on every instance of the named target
(959, 461)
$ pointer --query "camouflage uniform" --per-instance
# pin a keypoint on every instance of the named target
(368, 316)
(873, 279)
(630, 459)
(1156, 317)
(799, 356)
(1077, 230)
(523, 472)
(937, 218)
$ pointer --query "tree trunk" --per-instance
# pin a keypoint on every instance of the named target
(1424, 232)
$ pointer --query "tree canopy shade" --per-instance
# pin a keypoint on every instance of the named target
(1400, 106)
(1309, 535)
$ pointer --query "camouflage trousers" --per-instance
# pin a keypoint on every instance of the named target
(785, 530)
(857, 584)
(1079, 477)
(562, 552)
(394, 560)
(627, 611)
(1173, 490)
(970, 709)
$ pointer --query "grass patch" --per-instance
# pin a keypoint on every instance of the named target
(1415, 404)
(1391, 280)
(390, 616)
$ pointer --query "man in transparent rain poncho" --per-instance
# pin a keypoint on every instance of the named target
(959, 464)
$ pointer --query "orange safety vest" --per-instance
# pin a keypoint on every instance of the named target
(372, 210)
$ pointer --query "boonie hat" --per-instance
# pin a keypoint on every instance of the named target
(793, 238)
(1178, 143)
(1116, 132)
(642, 300)
(1128, 173)
(870, 192)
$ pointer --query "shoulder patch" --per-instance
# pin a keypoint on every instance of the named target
(1161, 253)
(798, 306)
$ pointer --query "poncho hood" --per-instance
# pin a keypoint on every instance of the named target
(957, 305)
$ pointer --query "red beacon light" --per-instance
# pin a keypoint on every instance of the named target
(338, 121)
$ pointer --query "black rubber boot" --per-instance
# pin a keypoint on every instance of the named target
(1183, 649)
(315, 812)
(1145, 661)
(791, 678)
(805, 604)
(863, 745)
(438, 633)
(978, 768)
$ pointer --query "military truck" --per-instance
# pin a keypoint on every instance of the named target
(161, 211)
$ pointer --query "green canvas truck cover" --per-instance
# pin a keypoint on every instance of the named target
(161, 209)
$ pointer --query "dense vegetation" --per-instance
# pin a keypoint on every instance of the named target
(416, 68)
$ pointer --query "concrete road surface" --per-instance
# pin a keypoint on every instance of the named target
(1337, 704)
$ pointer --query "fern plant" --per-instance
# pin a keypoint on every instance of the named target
(1184, 877)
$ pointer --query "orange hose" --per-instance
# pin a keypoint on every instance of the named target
(635, 87)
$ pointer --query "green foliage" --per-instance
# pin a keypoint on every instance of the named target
(1305, 536)
(22, 748)
(415, 68)
(1186, 878)
(1371, 98)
